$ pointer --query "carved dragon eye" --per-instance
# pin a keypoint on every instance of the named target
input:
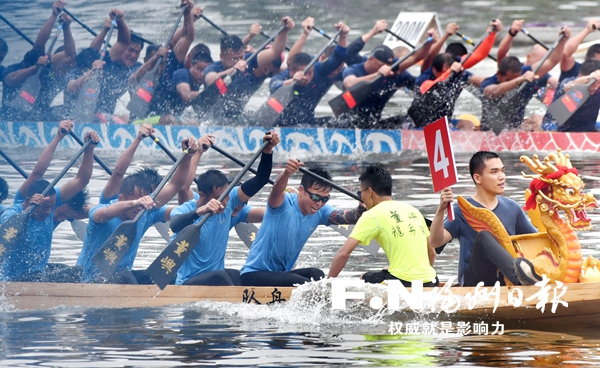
(570, 191)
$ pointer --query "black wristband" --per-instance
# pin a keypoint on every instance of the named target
(510, 32)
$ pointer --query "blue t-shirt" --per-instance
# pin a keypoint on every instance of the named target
(301, 110)
(52, 84)
(242, 87)
(209, 253)
(584, 119)
(172, 102)
(97, 233)
(509, 212)
(571, 73)
(114, 83)
(34, 250)
(163, 91)
(9, 93)
(282, 235)
(488, 105)
(369, 112)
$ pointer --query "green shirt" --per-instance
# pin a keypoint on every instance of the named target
(401, 231)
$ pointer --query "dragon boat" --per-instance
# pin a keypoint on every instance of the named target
(324, 142)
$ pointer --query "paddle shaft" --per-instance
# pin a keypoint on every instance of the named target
(162, 184)
(96, 158)
(214, 25)
(237, 161)
(321, 52)
(159, 60)
(534, 39)
(470, 42)
(324, 34)
(23, 35)
(267, 36)
(13, 164)
(541, 62)
(400, 61)
(400, 38)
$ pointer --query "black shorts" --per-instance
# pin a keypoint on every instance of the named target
(377, 277)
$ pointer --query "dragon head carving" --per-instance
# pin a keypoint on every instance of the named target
(558, 187)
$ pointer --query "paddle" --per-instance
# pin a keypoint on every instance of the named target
(30, 90)
(168, 262)
(359, 92)
(78, 226)
(96, 158)
(470, 42)
(23, 35)
(534, 39)
(210, 94)
(111, 253)
(139, 104)
(324, 34)
(15, 227)
(563, 108)
(399, 38)
(91, 31)
(85, 106)
(270, 111)
(501, 112)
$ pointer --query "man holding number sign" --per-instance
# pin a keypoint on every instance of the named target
(482, 258)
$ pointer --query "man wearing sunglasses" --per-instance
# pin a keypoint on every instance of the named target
(289, 221)
(398, 227)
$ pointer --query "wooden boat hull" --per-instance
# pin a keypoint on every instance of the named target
(303, 141)
(581, 311)
(31, 295)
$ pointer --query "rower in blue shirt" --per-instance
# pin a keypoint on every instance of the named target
(105, 218)
(289, 221)
(313, 85)
(267, 63)
(29, 262)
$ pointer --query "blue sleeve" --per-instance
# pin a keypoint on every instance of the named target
(158, 215)
(488, 82)
(59, 201)
(325, 214)
(277, 81)
(94, 209)
(351, 70)
(181, 76)
(10, 212)
(333, 62)
(426, 75)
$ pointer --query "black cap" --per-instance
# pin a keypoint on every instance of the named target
(383, 54)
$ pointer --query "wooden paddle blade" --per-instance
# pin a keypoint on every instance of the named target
(247, 232)
(11, 233)
(114, 249)
(165, 266)
(79, 228)
(211, 94)
(164, 229)
(351, 98)
(85, 106)
(564, 107)
(139, 104)
(270, 111)
(28, 94)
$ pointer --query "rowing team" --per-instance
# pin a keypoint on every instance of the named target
(178, 76)
(129, 205)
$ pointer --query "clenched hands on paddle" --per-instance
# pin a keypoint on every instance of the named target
(110, 255)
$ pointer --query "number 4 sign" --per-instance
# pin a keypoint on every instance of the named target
(441, 157)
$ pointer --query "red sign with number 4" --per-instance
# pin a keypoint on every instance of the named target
(441, 157)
